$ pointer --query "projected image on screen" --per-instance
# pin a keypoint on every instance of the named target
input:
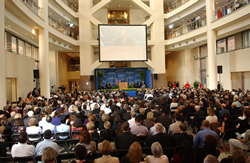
(122, 43)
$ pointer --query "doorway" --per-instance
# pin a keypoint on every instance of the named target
(74, 85)
(11, 89)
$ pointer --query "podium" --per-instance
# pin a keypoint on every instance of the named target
(123, 85)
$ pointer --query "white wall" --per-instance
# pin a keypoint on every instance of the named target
(63, 70)
(137, 16)
(102, 16)
(52, 67)
(20, 67)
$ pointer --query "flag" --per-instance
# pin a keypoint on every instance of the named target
(116, 79)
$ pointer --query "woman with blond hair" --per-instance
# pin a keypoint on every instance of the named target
(105, 149)
(90, 127)
(33, 129)
(149, 121)
(49, 155)
(212, 118)
(134, 154)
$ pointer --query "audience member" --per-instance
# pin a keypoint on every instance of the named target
(49, 155)
(211, 118)
(211, 159)
(152, 130)
(138, 129)
(63, 128)
(26, 120)
(164, 119)
(157, 152)
(105, 150)
(174, 128)
(134, 154)
(178, 138)
(149, 121)
(81, 154)
(33, 130)
(185, 154)
(238, 156)
(22, 149)
(86, 140)
(132, 120)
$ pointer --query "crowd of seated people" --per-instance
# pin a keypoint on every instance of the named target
(109, 122)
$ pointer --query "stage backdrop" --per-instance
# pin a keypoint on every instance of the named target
(115, 75)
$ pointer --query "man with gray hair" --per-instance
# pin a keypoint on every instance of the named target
(164, 139)
(157, 152)
(210, 159)
(197, 114)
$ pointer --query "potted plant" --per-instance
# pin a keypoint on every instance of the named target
(100, 76)
(142, 75)
(196, 84)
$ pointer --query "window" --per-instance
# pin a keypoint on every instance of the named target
(28, 50)
(34, 52)
(246, 39)
(13, 44)
(20, 47)
(203, 51)
(221, 46)
(203, 63)
(230, 43)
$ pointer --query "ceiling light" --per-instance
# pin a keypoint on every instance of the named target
(50, 45)
(119, 5)
(32, 37)
(130, 5)
(50, 13)
(114, 12)
(107, 5)
(60, 19)
(25, 33)
(70, 24)
(171, 26)
(217, 3)
(9, 25)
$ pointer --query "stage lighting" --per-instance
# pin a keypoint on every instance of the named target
(70, 24)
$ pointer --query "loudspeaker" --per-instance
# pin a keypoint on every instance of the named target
(219, 69)
(155, 76)
(91, 77)
(36, 74)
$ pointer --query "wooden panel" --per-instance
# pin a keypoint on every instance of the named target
(123, 85)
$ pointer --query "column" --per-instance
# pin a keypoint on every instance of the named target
(211, 46)
(2, 58)
(158, 50)
(44, 53)
(86, 50)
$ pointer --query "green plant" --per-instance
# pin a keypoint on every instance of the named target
(196, 84)
(116, 87)
(130, 86)
(142, 75)
(100, 76)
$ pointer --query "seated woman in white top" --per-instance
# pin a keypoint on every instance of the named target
(212, 118)
(32, 129)
(158, 156)
(174, 103)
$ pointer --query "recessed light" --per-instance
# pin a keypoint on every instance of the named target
(60, 19)
(35, 27)
(113, 12)
(247, 27)
(130, 5)
(25, 33)
(217, 3)
(107, 5)
(50, 13)
(119, 5)
(32, 37)
(50, 45)
(9, 25)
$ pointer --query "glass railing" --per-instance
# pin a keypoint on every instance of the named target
(71, 5)
(173, 5)
(63, 29)
(229, 7)
(33, 6)
(186, 28)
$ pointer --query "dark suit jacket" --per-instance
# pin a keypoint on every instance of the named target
(165, 120)
(124, 140)
(3, 149)
(235, 112)
(126, 116)
(26, 121)
(196, 115)
(156, 114)
(165, 140)
(180, 137)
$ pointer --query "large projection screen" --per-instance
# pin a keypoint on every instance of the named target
(122, 43)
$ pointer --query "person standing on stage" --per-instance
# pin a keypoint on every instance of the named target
(218, 86)
(187, 85)
(122, 80)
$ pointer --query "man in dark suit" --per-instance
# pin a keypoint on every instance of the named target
(218, 86)
(234, 110)
(126, 116)
(124, 40)
(122, 80)
(182, 135)
(124, 140)
(164, 119)
(156, 113)
(197, 114)
(164, 139)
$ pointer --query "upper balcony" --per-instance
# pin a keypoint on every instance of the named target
(170, 6)
(73, 4)
(34, 7)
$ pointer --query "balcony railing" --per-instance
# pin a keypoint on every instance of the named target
(187, 28)
(33, 6)
(63, 29)
(173, 5)
(229, 8)
(71, 5)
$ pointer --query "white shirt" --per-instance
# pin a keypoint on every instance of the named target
(131, 122)
(33, 130)
(22, 150)
(212, 119)
(92, 106)
(198, 17)
(48, 126)
(63, 128)
(152, 131)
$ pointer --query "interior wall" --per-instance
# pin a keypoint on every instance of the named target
(63, 71)
(52, 67)
(102, 15)
(137, 16)
(20, 67)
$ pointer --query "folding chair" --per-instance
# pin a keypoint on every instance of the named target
(176, 149)
(71, 143)
(142, 140)
(34, 136)
(63, 147)
(24, 159)
(75, 133)
(146, 151)
(230, 133)
(169, 152)
(121, 153)
(6, 138)
(173, 109)
(65, 156)
(6, 160)
(214, 126)
(38, 158)
(9, 145)
(65, 135)
(226, 160)
(36, 142)
(188, 115)
(198, 122)
(96, 142)
(15, 137)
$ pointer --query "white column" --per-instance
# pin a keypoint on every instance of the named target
(44, 53)
(211, 46)
(2, 58)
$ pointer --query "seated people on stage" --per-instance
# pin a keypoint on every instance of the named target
(133, 84)
(101, 86)
(107, 85)
(122, 80)
(136, 85)
(139, 84)
(110, 85)
(22, 149)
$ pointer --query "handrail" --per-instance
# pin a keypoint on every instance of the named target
(228, 8)
(70, 4)
(173, 5)
(185, 28)
(33, 6)
(63, 29)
